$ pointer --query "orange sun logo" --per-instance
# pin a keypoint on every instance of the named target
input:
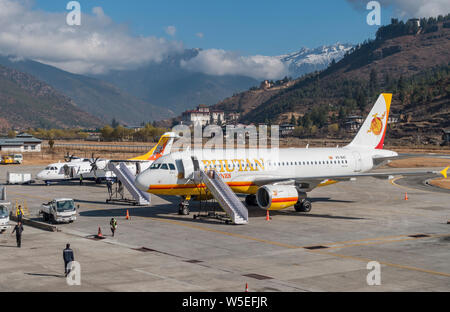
(376, 125)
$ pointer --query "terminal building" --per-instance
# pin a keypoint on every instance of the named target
(22, 143)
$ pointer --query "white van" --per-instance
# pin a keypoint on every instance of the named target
(18, 158)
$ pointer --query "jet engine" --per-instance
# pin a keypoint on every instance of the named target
(276, 197)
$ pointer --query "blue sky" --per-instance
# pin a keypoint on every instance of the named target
(247, 26)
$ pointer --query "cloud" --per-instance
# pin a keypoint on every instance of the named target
(200, 35)
(221, 62)
(98, 45)
(410, 8)
(171, 30)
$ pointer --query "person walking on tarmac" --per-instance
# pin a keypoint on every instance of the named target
(113, 224)
(81, 179)
(68, 257)
(18, 229)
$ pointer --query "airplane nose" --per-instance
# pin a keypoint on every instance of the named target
(143, 182)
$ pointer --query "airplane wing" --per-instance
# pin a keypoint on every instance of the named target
(379, 160)
(311, 182)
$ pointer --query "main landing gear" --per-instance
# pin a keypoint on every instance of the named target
(303, 205)
(183, 207)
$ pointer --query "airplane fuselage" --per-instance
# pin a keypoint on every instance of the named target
(239, 168)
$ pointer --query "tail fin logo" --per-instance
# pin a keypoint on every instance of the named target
(376, 126)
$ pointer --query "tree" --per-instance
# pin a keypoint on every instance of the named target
(11, 134)
(293, 121)
(107, 132)
(373, 79)
(114, 123)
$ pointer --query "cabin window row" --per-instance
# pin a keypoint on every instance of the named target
(279, 164)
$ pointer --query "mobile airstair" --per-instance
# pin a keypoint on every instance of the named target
(127, 179)
(226, 198)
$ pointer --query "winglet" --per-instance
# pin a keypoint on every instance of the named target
(444, 172)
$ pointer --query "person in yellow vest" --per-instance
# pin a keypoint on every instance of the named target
(113, 224)
(19, 214)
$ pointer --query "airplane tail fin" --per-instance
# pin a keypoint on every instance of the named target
(373, 130)
(163, 147)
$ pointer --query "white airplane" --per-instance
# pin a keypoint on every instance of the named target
(97, 169)
(278, 180)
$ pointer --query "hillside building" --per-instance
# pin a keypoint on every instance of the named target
(266, 85)
(22, 143)
(203, 116)
(287, 130)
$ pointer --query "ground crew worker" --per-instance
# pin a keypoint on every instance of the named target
(113, 224)
(120, 189)
(18, 229)
(109, 185)
(81, 179)
(19, 214)
(68, 257)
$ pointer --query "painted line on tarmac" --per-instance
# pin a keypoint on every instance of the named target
(381, 240)
(406, 267)
(386, 240)
(407, 187)
(197, 227)
(167, 278)
(316, 251)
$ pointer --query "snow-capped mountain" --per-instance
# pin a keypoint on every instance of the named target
(309, 60)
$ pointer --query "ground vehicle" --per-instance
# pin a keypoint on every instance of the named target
(18, 178)
(59, 211)
(4, 217)
(12, 159)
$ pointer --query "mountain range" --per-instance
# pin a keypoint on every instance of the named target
(28, 102)
(155, 91)
(309, 60)
(409, 61)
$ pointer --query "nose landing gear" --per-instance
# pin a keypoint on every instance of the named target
(183, 207)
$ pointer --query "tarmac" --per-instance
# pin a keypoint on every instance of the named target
(328, 249)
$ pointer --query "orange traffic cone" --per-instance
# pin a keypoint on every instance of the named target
(246, 287)
(99, 235)
(128, 215)
(406, 196)
(268, 216)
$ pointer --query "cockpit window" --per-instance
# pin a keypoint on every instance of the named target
(155, 166)
(48, 168)
(172, 166)
(164, 167)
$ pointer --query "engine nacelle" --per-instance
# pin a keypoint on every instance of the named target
(276, 197)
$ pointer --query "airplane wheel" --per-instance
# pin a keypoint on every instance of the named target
(304, 206)
(183, 210)
(250, 200)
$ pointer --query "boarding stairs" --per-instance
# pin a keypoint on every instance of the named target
(226, 198)
(125, 176)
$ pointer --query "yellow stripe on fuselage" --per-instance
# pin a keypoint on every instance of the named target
(192, 189)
